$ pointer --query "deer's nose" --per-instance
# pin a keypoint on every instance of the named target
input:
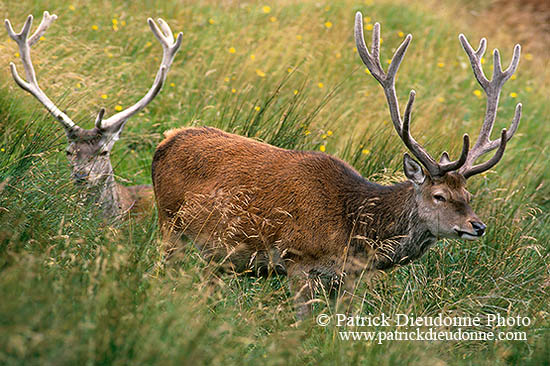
(80, 177)
(479, 227)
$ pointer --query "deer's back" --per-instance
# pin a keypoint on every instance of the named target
(213, 185)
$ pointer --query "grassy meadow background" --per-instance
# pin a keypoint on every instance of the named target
(76, 290)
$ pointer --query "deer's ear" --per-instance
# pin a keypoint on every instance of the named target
(413, 170)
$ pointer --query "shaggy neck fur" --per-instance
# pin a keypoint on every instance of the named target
(106, 195)
(109, 198)
(387, 226)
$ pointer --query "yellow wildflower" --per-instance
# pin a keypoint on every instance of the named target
(257, 108)
(513, 77)
(266, 9)
(71, 7)
(295, 91)
(328, 24)
(477, 93)
(322, 148)
(320, 85)
(172, 85)
(367, 71)
(299, 37)
(232, 50)
(440, 64)
(272, 19)
(401, 34)
(118, 108)
(252, 57)
(211, 21)
(338, 55)
(148, 44)
(114, 21)
(260, 73)
(95, 27)
(440, 99)
(329, 133)
(513, 94)
(365, 151)
(528, 56)
(323, 136)
(369, 27)
(104, 96)
(233, 90)
(307, 132)
(226, 80)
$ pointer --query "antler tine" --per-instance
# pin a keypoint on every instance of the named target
(457, 164)
(492, 89)
(99, 118)
(24, 43)
(387, 80)
(170, 48)
(372, 63)
(418, 151)
(434, 168)
(166, 30)
(376, 45)
(475, 59)
(47, 19)
(491, 162)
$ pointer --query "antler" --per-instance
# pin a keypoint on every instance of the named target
(170, 48)
(24, 42)
(387, 80)
(115, 122)
(492, 89)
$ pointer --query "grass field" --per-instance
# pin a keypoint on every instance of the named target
(75, 291)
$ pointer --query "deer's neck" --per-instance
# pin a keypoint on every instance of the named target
(387, 224)
(109, 197)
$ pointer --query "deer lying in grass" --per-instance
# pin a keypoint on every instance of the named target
(246, 202)
(88, 150)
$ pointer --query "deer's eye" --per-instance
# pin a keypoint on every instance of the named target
(439, 198)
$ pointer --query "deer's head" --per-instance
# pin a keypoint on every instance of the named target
(440, 186)
(88, 152)
(88, 149)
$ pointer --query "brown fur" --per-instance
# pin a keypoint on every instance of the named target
(249, 203)
(136, 199)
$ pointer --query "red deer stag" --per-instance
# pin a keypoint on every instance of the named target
(247, 202)
(88, 150)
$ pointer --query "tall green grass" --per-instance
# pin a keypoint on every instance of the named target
(75, 290)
